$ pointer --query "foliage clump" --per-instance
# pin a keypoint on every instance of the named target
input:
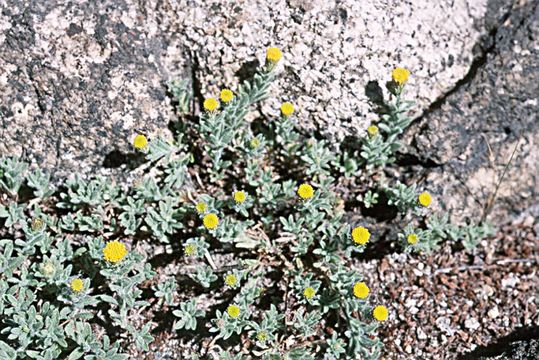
(255, 224)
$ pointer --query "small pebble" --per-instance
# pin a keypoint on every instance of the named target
(493, 313)
(421, 334)
(472, 324)
(510, 281)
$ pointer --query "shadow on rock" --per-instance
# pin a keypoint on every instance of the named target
(523, 344)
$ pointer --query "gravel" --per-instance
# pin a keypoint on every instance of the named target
(465, 301)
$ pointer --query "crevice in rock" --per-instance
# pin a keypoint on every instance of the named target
(477, 64)
(42, 108)
(195, 81)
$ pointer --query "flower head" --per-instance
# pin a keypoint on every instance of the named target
(114, 251)
(380, 313)
(240, 196)
(37, 224)
(233, 311)
(361, 290)
(425, 199)
(226, 95)
(140, 142)
(254, 143)
(361, 235)
(211, 104)
(262, 336)
(189, 249)
(273, 55)
(287, 109)
(309, 292)
(412, 239)
(210, 221)
(77, 285)
(400, 76)
(48, 268)
(231, 280)
(201, 207)
(305, 191)
(372, 130)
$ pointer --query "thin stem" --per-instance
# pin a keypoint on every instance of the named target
(492, 199)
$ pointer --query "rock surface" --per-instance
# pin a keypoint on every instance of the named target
(518, 350)
(465, 140)
(78, 80)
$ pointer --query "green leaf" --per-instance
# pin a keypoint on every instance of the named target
(76, 354)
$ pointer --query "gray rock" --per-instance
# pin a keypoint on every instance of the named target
(518, 350)
(79, 79)
(465, 140)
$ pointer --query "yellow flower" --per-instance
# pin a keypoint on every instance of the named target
(210, 221)
(227, 95)
(48, 269)
(361, 235)
(231, 280)
(412, 239)
(361, 290)
(77, 285)
(114, 251)
(372, 130)
(211, 104)
(233, 311)
(425, 199)
(305, 191)
(201, 207)
(273, 55)
(240, 196)
(380, 313)
(255, 143)
(287, 109)
(262, 336)
(37, 224)
(400, 76)
(189, 249)
(140, 142)
(309, 292)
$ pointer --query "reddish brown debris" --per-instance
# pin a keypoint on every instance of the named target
(450, 302)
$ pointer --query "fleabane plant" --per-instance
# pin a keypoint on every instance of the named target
(246, 212)
(292, 225)
(56, 283)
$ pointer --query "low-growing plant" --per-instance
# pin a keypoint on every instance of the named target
(255, 227)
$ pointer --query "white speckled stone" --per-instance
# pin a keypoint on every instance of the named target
(125, 51)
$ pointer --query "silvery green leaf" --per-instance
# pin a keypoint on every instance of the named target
(181, 90)
(76, 354)
(159, 148)
(13, 213)
(40, 182)
(11, 174)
